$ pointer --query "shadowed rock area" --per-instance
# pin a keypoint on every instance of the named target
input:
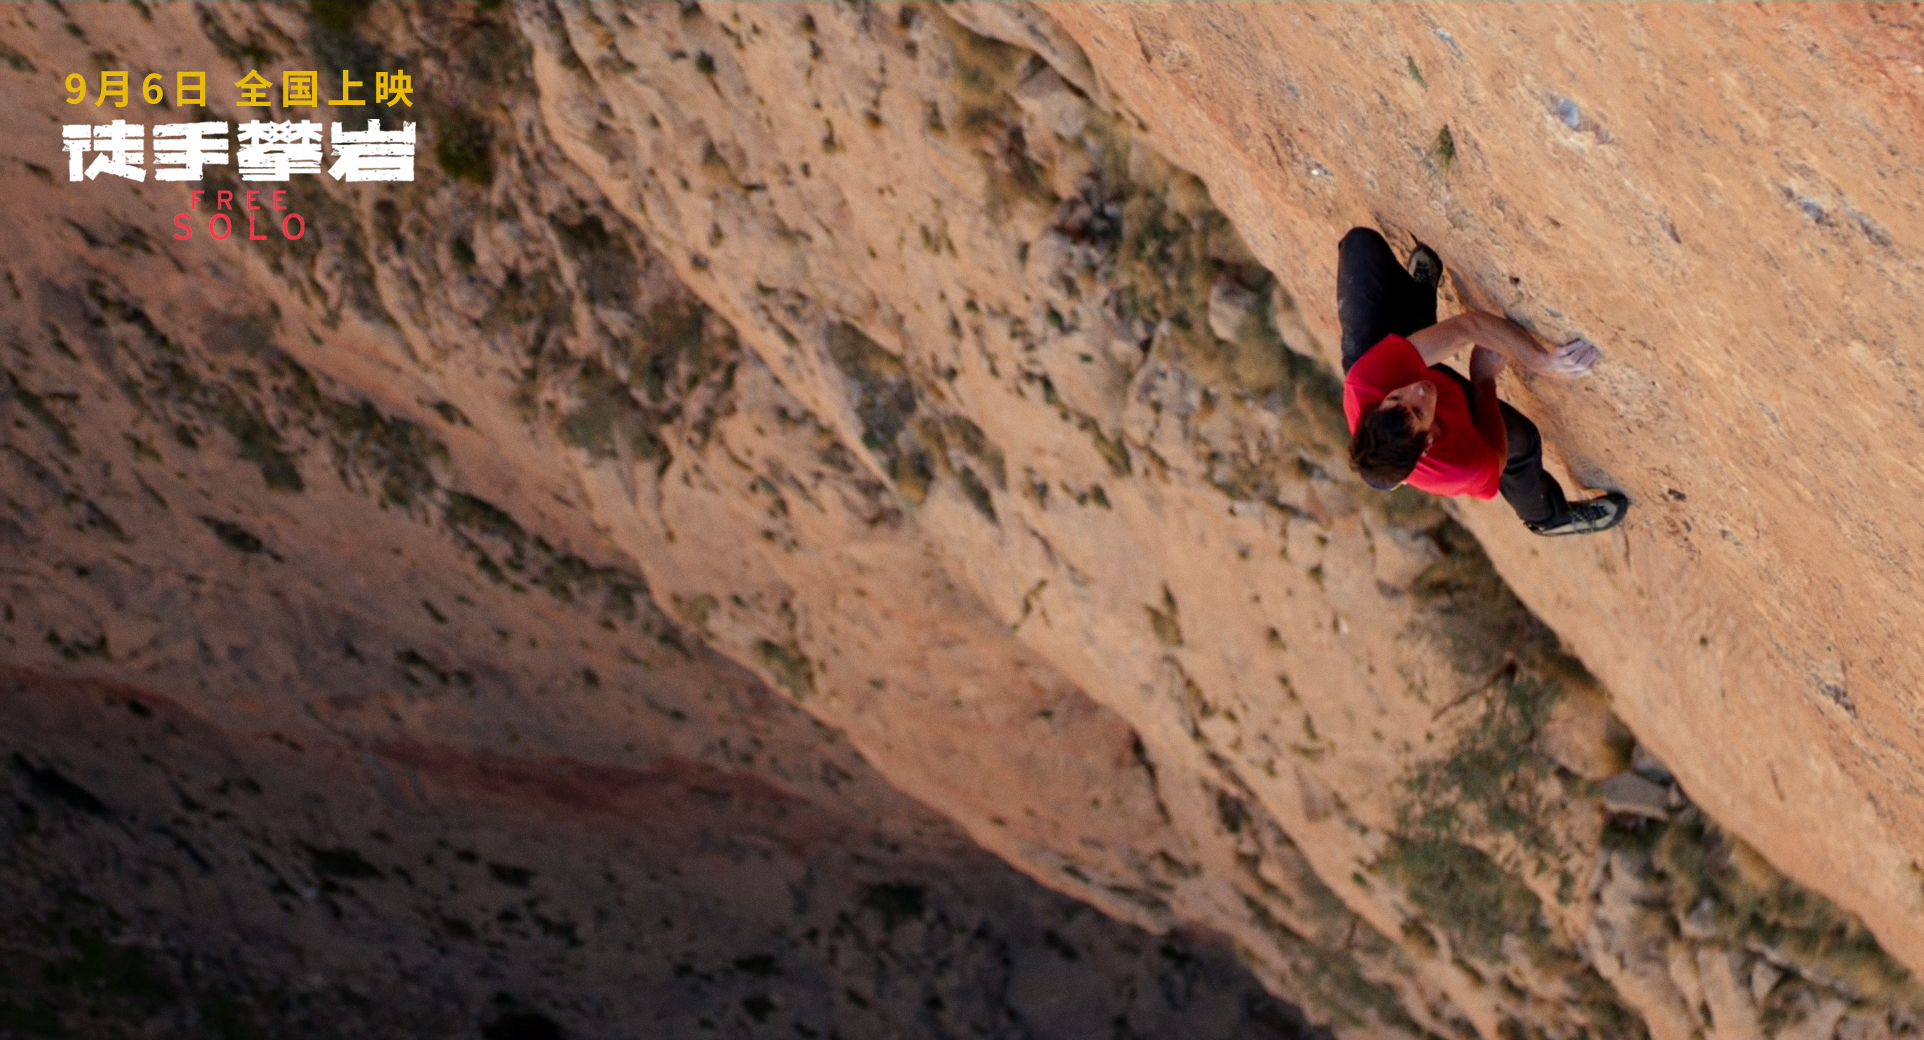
(165, 878)
(831, 520)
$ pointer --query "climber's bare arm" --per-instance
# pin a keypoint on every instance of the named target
(1475, 329)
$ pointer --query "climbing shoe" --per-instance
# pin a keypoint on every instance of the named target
(1598, 514)
(1425, 266)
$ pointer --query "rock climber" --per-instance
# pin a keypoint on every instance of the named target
(1413, 421)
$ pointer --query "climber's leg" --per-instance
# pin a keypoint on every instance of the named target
(1535, 495)
(1375, 296)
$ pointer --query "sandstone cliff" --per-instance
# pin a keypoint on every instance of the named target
(891, 354)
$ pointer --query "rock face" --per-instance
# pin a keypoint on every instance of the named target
(1726, 201)
(209, 883)
(887, 352)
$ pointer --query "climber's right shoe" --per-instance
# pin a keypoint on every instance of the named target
(1598, 514)
(1425, 266)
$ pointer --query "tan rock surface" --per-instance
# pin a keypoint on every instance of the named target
(329, 709)
(1725, 199)
(731, 875)
(887, 361)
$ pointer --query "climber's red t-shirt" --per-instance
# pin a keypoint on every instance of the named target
(1459, 461)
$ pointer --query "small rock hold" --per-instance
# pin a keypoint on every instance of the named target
(1052, 102)
(1764, 977)
(1681, 964)
(1838, 695)
(1631, 794)
(1329, 501)
(1233, 310)
(1700, 924)
(1318, 803)
(1732, 1014)
(1819, 1024)
(1860, 1026)
(1289, 324)
(1567, 112)
(1580, 734)
(1646, 764)
(1402, 556)
(1303, 542)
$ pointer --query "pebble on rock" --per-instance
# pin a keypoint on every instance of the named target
(1629, 793)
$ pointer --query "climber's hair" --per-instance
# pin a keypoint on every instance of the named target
(1384, 450)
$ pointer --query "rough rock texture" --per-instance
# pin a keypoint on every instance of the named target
(192, 882)
(1726, 199)
(327, 710)
(886, 353)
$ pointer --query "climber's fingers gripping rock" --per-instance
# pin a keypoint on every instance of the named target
(1572, 360)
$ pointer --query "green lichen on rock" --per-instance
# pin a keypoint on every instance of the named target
(915, 444)
(1473, 615)
(605, 418)
(1327, 978)
(1171, 250)
(1492, 780)
(1716, 879)
(884, 393)
(1462, 890)
(368, 446)
(36, 406)
(1442, 152)
(463, 148)
(1165, 621)
(788, 666)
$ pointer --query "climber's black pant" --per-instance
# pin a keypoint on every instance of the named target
(1376, 298)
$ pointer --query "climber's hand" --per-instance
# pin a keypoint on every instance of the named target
(1571, 360)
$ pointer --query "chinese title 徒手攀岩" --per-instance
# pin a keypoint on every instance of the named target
(268, 150)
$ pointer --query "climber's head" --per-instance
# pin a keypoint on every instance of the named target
(1390, 440)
